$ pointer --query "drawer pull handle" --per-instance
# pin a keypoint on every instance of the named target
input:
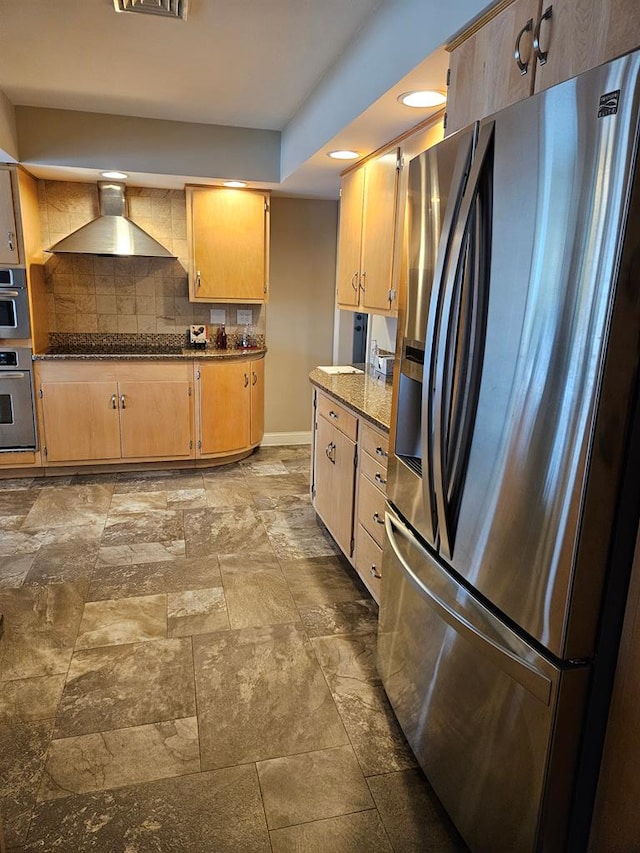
(354, 281)
(113, 402)
(379, 479)
(255, 377)
(374, 572)
(377, 519)
(523, 65)
(10, 243)
(246, 379)
(333, 415)
(198, 282)
(122, 402)
(330, 452)
(541, 54)
(381, 452)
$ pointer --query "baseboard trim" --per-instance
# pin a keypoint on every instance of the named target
(274, 439)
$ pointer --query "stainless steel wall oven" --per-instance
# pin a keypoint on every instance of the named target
(17, 426)
(14, 304)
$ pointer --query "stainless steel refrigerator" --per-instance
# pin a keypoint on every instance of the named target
(513, 479)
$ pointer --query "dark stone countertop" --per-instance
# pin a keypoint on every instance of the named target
(368, 393)
(182, 353)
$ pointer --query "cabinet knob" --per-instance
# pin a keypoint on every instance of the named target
(522, 65)
(541, 54)
(380, 479)
(381, 452)
(333, 415)
(374, 572)
(10, 243)
(377, 519)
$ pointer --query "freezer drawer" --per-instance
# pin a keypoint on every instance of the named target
(493, 723)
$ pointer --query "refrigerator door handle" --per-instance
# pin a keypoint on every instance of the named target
(459, 179)
(452, 429)
(519, 670)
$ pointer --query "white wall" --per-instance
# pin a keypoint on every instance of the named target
(8, 133)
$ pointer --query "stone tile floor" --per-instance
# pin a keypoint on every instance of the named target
(188, 665)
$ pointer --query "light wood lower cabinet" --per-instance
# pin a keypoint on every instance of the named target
(105, 411)
(110, 411)
(349, 485)
(230, 406)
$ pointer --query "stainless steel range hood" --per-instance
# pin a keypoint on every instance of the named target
(112, 233)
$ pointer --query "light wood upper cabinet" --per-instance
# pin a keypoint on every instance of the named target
(231, 406)
(9, 253)
(582, 34)
(558, 39)
(483, 74)
(228, 236)
(366, 240)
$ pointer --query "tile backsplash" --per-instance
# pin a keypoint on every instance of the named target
(87, 293)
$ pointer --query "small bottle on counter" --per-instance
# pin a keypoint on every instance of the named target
(245, 338)
(221, 338)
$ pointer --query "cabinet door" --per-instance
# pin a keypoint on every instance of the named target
(257, 401)
(155, 419)
(378, 231)
(81, 420)
(225, 403)
(335, 483)
(484, 76)
(581, 34)
(350, 238)
(8, 237)
(229, 231)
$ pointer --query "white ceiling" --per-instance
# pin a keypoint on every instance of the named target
(268, 64)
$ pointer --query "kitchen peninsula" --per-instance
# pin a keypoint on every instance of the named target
(352, 413)
(141, 399)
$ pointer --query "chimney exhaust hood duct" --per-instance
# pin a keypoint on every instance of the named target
(112, 233)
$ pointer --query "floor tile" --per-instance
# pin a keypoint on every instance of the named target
(140, 552)
(40, 627)
(16, 501)
(312, 786)
(19, 541)
(230, 531)
(98, 762)
(261, 694)
(297, 533)
(13, 570)
(63, 562)
(187, 498)
(258, 598)
(128, 528)
(230, 564)
(156, 480)
(345, 617)
(346, 658)
(278, 492)
(125, 502)
(90, 531)
(362, 832)
(23, 748)
(29, 699)
(227, 492)
(263, 468)
(119, 686)
(178, 575)
(322, 580)
(58, 506)
(126, 620)
(413, 816)
(198, 611)
(216, 812)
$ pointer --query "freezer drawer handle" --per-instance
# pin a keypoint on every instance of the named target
(530, 678)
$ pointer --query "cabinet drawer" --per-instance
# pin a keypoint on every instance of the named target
(371, 509)
(337, 415)
(374, 470)
(374, 443)
(369, 561)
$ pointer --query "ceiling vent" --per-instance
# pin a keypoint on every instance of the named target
(166, 8)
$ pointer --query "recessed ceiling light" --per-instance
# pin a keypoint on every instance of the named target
(115, 176)
(423, 98)
(235, 184)
(344, 155)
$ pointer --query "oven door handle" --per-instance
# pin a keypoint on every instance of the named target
(8, 295)
(10, 374)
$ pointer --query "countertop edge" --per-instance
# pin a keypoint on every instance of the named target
(185, 355)
(367, 394)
